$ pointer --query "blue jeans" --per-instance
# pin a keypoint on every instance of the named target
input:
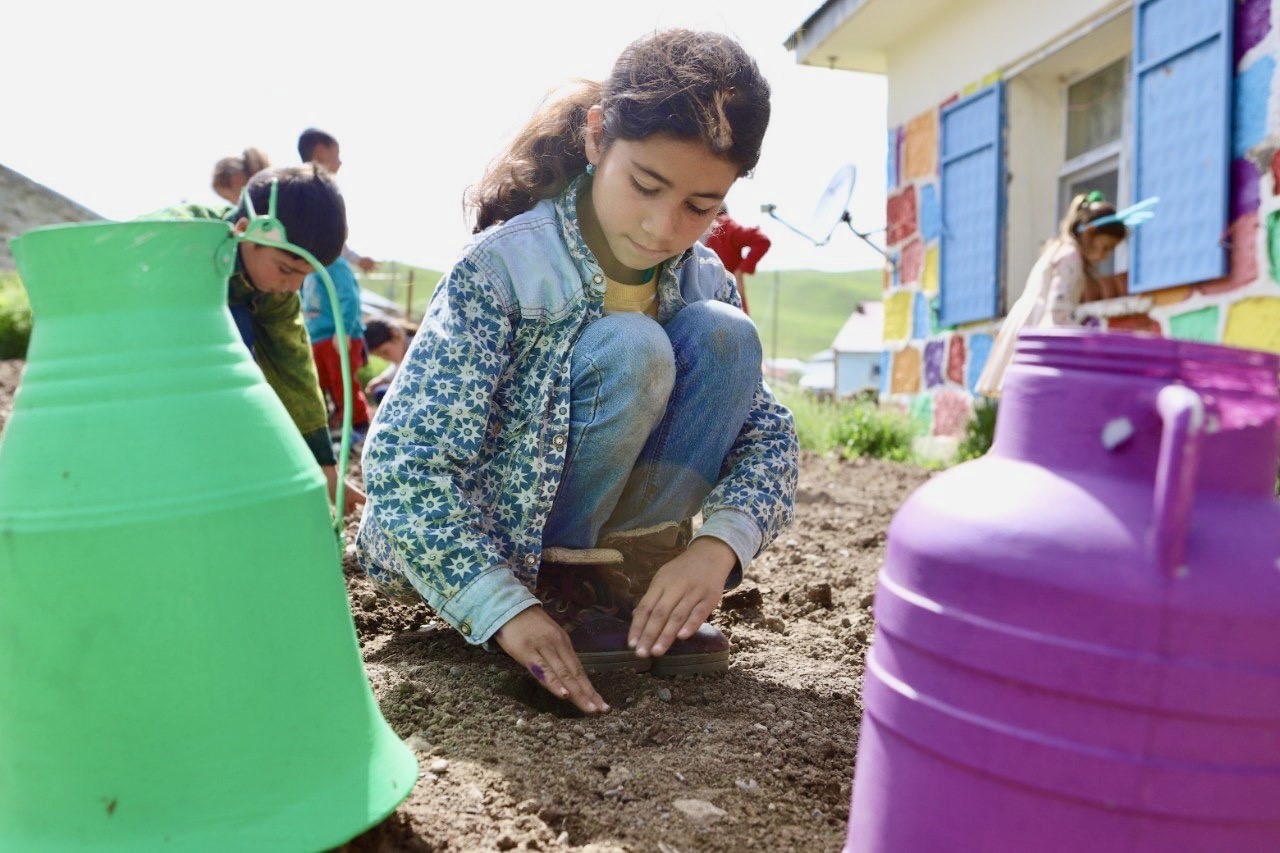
(654, 411)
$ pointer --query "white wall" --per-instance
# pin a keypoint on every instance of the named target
(856, 371)
(968, 40)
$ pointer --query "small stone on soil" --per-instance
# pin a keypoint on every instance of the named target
(744, 598)
(820, 594)
(664, 694)
(440, 765)
(699, 811)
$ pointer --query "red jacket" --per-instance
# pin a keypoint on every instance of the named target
(729, 240)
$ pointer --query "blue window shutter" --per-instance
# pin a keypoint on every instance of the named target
(1182, 70)
(972, 161)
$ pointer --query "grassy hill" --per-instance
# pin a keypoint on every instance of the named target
(811, 305)
(391, 280)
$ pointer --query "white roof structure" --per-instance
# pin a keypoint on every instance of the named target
(863, 331)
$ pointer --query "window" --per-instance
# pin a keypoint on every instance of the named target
(1095, 155)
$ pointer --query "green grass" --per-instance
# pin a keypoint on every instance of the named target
(811, 307)
(852, 428)
(15, 316)
(396, 287)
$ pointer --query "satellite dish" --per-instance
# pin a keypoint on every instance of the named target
(831, 210)
(833, 204)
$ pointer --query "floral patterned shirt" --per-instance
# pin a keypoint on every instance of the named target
(466, 451)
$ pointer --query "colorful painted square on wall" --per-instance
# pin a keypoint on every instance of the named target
(906, 371)
(897, 315)
(893, 158)
(951, 413)
(921, 414)
(1252, 93)
(955, 360)
(1199, 325)
(1252, 23)
(921, 322)
(1134, 323)
(979, 350)
(1242, 240)
(1254, 323)
(901, 216)
(929, 277)
(1245, 187)
(930, 212)
(911, 262)
(935, 354)
(920, 147)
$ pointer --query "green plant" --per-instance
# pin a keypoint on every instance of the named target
(979, 432)
(867, 430)
(15, 317)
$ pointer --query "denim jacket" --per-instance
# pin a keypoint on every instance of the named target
(466, 451)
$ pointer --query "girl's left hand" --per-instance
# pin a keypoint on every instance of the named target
(681, 597)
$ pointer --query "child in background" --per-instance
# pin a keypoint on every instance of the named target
(230, 174)
(584, 383)
(1057, 281)
(385, 339)
(317, 313)
(740, 248)
(262, 293)
(316, 146)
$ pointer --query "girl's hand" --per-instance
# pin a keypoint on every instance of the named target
(681, 597)
(536, 642)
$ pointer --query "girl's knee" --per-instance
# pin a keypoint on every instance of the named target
(725, 332)
(636, 350)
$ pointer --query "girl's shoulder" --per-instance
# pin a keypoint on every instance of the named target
(516, 242)
(1064, 252)
(527, 260)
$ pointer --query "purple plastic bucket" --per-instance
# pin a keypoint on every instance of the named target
(1078, 635)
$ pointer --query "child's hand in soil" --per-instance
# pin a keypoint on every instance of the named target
(681, 596)
(353, 497)
(536, 642)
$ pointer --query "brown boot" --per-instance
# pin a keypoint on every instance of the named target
(573, 589)
(644, 551)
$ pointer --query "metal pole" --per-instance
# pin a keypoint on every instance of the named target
(408, 297)
(776, 287)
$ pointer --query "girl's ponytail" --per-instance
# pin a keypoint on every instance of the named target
(540, 161)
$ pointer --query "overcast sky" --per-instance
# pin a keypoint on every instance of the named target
(124, 107)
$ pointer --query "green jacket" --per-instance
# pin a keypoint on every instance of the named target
(271, 326)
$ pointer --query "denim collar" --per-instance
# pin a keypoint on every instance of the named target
(566, 205)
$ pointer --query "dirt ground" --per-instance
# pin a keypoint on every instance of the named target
(760, 758)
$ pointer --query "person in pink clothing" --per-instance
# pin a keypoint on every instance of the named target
(740, 248)
(1058, 280)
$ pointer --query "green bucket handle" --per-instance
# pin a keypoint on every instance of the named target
(269, 231)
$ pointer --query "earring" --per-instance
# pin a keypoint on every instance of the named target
(591, 168)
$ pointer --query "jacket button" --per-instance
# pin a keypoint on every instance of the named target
(465, 627)
(529, 559)
(558, 441)
(598, 278)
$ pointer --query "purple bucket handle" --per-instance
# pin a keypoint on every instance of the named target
(1182, 411)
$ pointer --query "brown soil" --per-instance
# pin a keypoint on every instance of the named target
(760, 758)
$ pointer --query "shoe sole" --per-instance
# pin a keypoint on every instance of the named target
(613, 662)
(709, 663)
